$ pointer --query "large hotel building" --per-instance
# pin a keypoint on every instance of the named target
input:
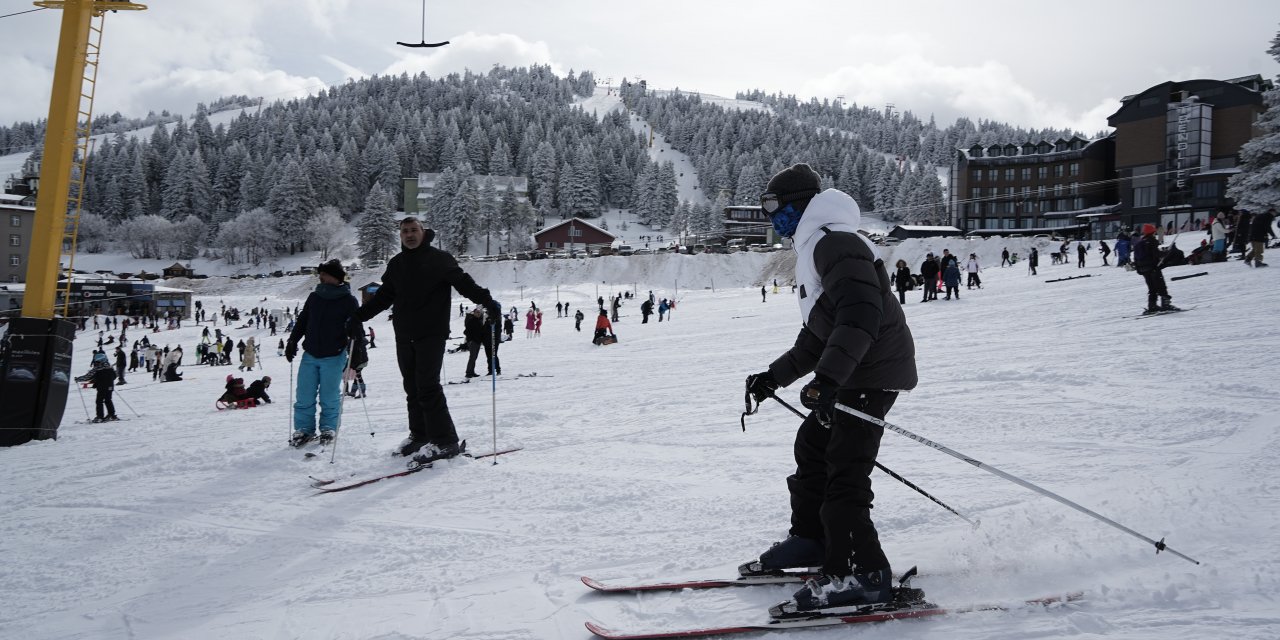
(1167, 162)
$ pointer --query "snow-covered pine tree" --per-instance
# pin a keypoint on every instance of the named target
(292, 205)
(437, 209)
(509, 212)
(376, 231)
(751, 183)
(542, 178)
(583, 185)
(461, 222)
(487, 219)
(1257, 186)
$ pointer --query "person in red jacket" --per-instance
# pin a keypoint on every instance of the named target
(604, 328)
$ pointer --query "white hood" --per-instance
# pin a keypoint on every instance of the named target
(837, 211)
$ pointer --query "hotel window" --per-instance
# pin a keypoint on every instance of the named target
(1008, 174)
(14, 278)
(1207, 189)
(1144, 196)
(1075, 188)
(15, 220)
(1042, 172)
(975, 193)
(1026, 192)
(15, 260)
(1075, 169)
(15, 240)
(1040, 192)
(1026, 173)
(1057, 190)
(993, 174)
(976, 175)
(1057, 171)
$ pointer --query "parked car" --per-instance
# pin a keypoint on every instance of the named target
(625, 250)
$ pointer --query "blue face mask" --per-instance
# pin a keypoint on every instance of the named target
(785, 221)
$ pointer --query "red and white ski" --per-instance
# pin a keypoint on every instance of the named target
(872, 614)
(706, 583)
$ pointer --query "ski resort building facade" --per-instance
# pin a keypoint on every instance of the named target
(1174, 147)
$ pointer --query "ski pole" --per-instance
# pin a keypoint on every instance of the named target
(1159, 545)
(493, 371)
(126, 403)
(351, 347)
(893, 475)
(83, 403)
(289, 414)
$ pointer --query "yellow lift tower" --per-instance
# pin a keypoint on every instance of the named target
(35, 355)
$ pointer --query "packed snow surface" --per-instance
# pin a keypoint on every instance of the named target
(185, 522)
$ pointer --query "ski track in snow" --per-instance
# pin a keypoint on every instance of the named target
(185, 522)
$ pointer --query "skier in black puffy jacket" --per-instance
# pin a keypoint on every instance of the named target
(856, 342)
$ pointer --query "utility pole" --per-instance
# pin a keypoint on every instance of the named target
(36, 375)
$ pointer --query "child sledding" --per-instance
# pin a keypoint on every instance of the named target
(237, 396)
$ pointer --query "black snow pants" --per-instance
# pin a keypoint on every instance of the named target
(429, 419)
(831, 488)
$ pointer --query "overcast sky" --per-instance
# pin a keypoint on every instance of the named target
(1030, 62)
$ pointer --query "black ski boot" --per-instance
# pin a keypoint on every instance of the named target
(793, 553)
(300, 438)
(431, 452)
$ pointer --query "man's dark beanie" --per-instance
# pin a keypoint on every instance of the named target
(795, 183)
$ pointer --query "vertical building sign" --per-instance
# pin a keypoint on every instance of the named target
(1189, 135)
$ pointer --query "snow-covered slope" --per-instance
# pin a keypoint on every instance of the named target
(185, 522)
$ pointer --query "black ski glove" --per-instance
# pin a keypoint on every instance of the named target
(761, 385)
(820, 396)
(495, 311)
(290, 350)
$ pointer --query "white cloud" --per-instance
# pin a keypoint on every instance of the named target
(985, 90)
(26, 89)
(475, 51)
(180, 89)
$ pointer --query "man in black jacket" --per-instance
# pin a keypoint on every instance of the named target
(856, 342)
(104, 380)
(1148, 262)
(472, 330)
(1260, 232)
(417, 288)
(929, 273)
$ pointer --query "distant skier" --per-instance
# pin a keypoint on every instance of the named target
(104, 380)
(646, 310)
(1004, 258)
(577, 320)
(1081, 252)
(1147, 261)
(902, 281)
(973, 268)
(951, 279)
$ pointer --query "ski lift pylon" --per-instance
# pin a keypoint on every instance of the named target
(423, 44)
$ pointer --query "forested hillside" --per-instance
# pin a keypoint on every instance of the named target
(281, 178)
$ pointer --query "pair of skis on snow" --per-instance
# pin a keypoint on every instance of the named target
(902, 608)
(326, 485)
